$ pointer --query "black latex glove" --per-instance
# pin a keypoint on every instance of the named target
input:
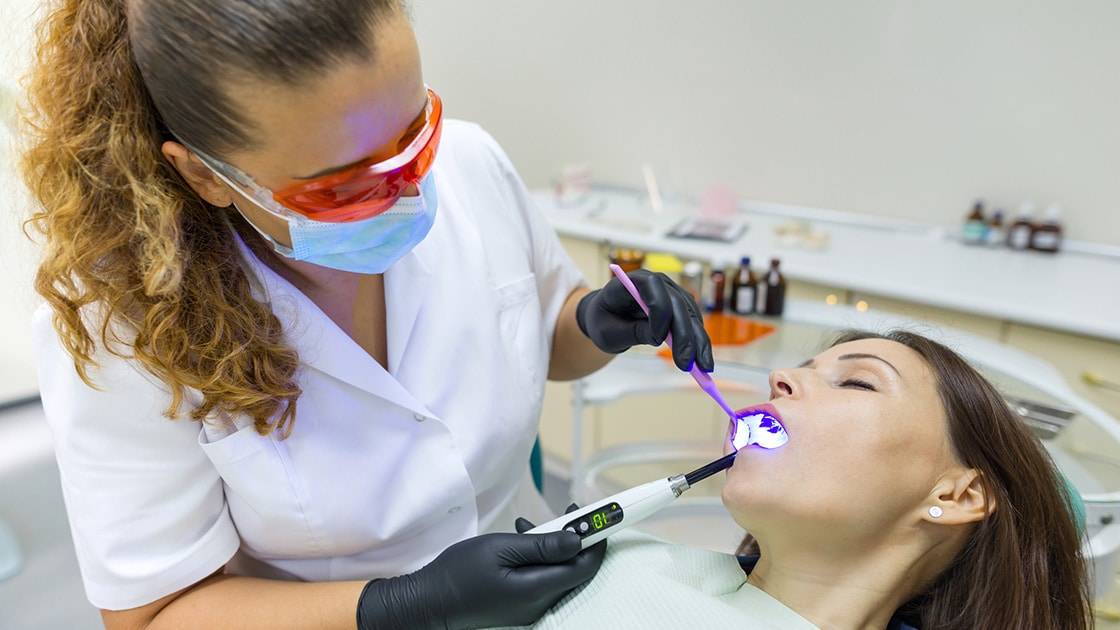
(614, 321)
(490, 580)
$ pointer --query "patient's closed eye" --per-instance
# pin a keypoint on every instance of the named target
(855, 382)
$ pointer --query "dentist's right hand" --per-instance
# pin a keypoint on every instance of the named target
(490, 580)
(614, 321)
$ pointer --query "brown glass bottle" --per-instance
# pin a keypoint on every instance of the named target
(743, 288)
(1047, 237)
(1020, 231)
(975, 226)
(772, 290)
(718, 288)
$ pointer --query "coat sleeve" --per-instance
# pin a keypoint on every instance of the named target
(146, 508)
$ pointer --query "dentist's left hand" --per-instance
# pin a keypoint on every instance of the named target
(614, 321)
(482, 582)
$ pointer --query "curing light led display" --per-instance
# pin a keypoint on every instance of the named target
(597, 520)
(606, 517)
(759, 427)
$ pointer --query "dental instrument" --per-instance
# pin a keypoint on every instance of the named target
(619, 511)
(703, 379)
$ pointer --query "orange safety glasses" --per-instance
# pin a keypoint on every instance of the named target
(361, 192)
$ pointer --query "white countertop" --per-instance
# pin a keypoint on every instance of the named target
(1068, 291)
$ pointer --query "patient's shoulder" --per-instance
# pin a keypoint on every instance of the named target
(697, 568)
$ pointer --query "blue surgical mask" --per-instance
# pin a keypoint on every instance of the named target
(368, 246)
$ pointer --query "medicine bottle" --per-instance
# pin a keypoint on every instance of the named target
(743, 288)
(772, 290)
(692, 279)
(1048, 236)
(628, 259)
(1019, 233)
(996, 235)
(975, 227)
(717, 287)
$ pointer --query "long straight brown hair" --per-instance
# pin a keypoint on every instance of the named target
(1022, 566)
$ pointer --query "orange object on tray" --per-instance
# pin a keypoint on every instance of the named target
(729, 330)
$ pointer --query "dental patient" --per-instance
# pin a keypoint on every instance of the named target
(908, 495)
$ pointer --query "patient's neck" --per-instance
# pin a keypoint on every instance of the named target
(850, 585)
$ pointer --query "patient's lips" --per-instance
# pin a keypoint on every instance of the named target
(759, 425)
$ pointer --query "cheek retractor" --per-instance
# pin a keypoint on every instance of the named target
(757, 427)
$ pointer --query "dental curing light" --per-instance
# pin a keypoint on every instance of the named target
(617, 512)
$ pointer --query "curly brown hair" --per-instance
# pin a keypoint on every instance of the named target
(1022, 566)
(134, 261)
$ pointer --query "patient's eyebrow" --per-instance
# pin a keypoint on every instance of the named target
(862, 355)
(854, 355)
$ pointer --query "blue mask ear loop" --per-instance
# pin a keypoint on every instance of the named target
(278, 247)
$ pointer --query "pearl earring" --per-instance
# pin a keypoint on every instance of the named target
(935, 511)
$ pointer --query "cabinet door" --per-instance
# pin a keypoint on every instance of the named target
(1074, 356)
(975, 324)
(590, 257)
(813, 292)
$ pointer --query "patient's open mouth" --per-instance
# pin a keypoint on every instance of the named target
(759, 425)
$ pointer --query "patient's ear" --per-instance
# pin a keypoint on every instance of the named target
(204, 182)
(961, 498)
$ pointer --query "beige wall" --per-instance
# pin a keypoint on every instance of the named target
(904, 108)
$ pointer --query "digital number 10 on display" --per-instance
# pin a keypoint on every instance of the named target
(609, 515)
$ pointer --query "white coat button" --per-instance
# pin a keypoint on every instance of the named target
(453, 510)
(418, 417)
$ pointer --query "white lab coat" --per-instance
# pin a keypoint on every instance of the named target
(384, 469)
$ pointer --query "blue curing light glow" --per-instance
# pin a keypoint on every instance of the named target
(757, 427)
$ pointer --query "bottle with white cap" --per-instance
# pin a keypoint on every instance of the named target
(1048, 236)
(692, 279)
(743, 287)
(996, 234)
(1019, 233)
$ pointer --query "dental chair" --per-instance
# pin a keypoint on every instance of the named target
(1082, 439)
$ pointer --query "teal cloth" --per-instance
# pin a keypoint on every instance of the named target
(1076, 505)
(536, 465)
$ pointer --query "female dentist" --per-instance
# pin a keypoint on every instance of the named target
(285, 391)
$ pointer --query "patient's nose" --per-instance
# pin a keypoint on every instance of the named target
(782, 385)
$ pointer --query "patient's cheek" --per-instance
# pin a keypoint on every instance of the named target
(733, 491)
